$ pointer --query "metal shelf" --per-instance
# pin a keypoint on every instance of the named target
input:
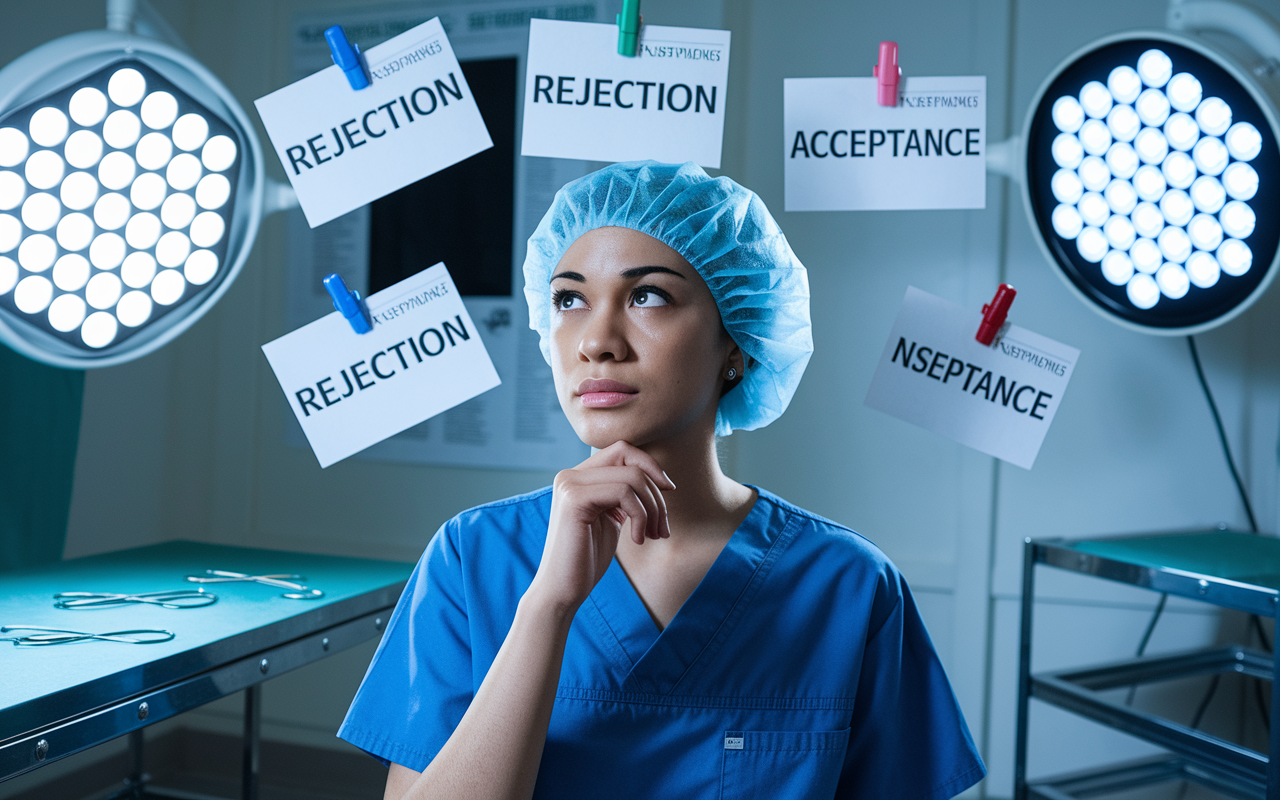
(1134, 774)
(1230, 570)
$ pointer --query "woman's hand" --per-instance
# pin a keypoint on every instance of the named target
(589, 506)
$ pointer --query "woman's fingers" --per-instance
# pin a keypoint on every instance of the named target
(645, 489)
(661, 526)
(623, 454)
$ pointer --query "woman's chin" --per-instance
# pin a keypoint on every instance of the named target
(600, 431)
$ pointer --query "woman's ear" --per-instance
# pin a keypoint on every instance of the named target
(737, 362)
(732, 370)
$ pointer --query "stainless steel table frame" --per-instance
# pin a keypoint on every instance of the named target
(1230, 570)
(250, 636)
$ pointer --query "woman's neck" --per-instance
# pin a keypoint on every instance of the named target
(705, 500)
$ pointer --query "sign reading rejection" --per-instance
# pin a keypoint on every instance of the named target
(350, 391)
(845, 152)
(999, 400)
(343, 148)
(584, 101)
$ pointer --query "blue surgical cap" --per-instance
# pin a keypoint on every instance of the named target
(727, 234)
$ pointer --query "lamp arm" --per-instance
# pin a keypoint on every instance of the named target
(277, 196)
(139, 17)
(1007, 158)
(1246, 22)
(121, 15)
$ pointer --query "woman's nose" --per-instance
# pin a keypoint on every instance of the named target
(604, 338)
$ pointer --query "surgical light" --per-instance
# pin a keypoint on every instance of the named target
(1150, 160)
(131, 188)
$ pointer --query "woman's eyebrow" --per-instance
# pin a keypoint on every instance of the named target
(639, 272)
(571, 276)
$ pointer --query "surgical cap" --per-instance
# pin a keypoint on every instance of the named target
(727, 234)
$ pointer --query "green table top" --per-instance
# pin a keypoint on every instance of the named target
(37, 684)
(1240, 557)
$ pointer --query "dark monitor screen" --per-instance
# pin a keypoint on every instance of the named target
(462, 215)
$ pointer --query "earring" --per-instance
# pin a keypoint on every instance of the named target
(733, 373)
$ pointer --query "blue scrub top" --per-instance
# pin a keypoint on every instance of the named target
(799, 668)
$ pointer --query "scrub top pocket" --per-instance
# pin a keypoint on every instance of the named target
(782, 764)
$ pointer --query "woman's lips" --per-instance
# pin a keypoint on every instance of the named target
(604, 393)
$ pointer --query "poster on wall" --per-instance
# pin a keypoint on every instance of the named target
(475, 216)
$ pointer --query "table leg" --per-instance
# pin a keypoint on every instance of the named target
(137, 779)
(252, 724)
(1273, 756)
(135, 786)
(1024, 670)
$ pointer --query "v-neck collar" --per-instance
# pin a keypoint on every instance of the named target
(657, 661)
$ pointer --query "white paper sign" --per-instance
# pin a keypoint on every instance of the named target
(999, 400)
(343, 148)
(845, 152)
(583, 100)
(350, 390)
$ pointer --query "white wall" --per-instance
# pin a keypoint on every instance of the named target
(189, 442)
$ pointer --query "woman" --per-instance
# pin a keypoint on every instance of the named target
(648, 627)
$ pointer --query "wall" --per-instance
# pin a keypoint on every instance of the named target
(189, 443)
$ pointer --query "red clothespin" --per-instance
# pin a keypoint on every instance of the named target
(887, 73)
(995, 313)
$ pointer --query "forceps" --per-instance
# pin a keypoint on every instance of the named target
(175, 598)
(297, 591)
(50, 636)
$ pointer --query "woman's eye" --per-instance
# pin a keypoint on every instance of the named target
(567, 301)
(648, 298)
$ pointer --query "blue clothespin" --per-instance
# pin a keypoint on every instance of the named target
(349, 304)
(629, 28)
(347, 57)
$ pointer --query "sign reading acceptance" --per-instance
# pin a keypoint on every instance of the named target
(999, 400)
(845, 152)
(343, 148)
(350, 391)
(584, 101)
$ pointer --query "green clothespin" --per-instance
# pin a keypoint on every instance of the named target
(629, 28)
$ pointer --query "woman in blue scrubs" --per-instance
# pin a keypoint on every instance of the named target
(647, 627)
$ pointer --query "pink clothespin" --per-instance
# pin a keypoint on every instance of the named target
(995, 313)
(888, 73)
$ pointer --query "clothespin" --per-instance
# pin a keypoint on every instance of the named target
(887, 73)
(629, 28)
(347, 56)
(995, 313)
(349, 304)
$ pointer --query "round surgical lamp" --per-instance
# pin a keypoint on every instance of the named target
(1152, 181)
(131, 187)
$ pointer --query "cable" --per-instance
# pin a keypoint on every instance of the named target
(1222, 436)
(1146, 638)
(1204, 704)
(1253, 527)
(1262, 634)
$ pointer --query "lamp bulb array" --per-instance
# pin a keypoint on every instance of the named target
(1154, 181)
(114, 203)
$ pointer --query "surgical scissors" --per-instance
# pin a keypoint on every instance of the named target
(297, 591)
(50, 636)
(174, 598)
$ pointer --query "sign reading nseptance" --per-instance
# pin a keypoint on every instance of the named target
(350, 391)
(845, 152)
(583, 100)
(343, 148)
(999, 400)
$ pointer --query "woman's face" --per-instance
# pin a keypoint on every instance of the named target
(637, 347)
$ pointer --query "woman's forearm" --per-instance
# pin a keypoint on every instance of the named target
(495, 751)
